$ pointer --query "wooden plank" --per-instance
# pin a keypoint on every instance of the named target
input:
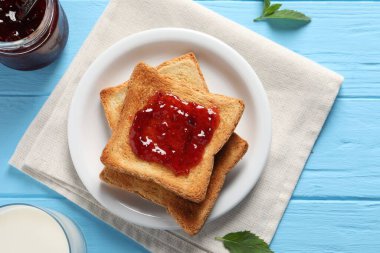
(99, 236)
(329, 227)
(345, 160)
(334, 38)
(344, 42)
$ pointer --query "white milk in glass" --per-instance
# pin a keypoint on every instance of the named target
(28, 229)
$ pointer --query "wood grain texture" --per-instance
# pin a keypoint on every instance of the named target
(344, 163)
(329, 226)
(343, 36)
(336, 205)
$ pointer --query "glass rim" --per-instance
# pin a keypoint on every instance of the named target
(37, 34)
(47, 211)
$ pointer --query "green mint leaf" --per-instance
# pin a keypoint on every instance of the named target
(288, 14)
(273, 12)
(244, 242)
(271, 9)
(266, 5)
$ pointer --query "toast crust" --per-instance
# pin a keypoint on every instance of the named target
(189, 215)
(144, 83)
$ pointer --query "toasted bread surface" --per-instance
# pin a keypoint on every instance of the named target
(189, 215)
(112, 100)
(144, 83)
(184, 68)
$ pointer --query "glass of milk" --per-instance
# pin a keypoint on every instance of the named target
(26, 228)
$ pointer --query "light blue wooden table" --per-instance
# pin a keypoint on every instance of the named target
(336, 205)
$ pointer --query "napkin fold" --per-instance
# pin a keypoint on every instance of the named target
(301, 94)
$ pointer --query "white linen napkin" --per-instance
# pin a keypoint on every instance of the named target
(301, 94)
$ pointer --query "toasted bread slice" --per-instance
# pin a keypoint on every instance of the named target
(183, 69)
(144, 83)
(189, 215)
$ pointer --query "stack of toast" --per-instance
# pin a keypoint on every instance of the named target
(189, 198)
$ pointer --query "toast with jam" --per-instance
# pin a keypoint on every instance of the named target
(189, 215)
(137, 129)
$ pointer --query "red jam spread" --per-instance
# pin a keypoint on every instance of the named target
(11, 27)
(173, 132)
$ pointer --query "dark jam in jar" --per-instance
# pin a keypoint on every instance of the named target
(12, 28)
(173, 132)
(34, 41)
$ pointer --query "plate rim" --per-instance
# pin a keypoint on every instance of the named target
(161, 33)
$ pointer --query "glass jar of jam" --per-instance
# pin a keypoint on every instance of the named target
(35, 40)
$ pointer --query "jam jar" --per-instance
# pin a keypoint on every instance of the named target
(35, 40)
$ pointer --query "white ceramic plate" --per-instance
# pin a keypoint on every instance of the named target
(226, 72)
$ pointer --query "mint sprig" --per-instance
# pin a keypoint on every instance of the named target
(271, 11)
(244, 242)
